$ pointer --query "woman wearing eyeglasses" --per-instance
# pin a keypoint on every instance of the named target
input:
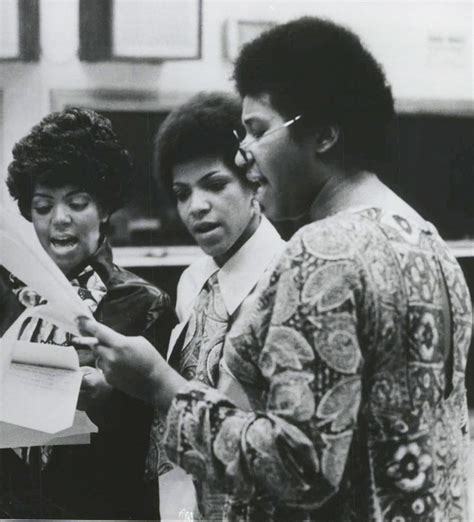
(357, 347)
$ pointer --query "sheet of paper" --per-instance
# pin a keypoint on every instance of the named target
(40, 386)
(47, 355)
(7, 342)
(13, 436)
(22, 254)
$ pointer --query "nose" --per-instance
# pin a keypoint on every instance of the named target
(239, 159)
(243, 158)
(199, 203)
(61, 216)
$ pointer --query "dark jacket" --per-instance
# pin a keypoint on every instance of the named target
(103, 480)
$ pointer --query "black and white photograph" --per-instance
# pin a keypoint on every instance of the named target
(237, 260)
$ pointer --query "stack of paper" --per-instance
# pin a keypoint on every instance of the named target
(39, 383)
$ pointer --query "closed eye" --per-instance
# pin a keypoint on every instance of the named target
(42, 209)
(181, 194)
(255, 134)
(79, 204)
(215, 185)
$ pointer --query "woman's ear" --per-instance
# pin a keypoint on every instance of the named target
(104, 216)
(326, 138)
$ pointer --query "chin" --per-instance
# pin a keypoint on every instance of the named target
(210, 250)
(272, 213)
(271, 207)
(66, 266)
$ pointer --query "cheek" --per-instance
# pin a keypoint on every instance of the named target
(183, 213)
(89, 228)
(284, 170)
(271, 163)
(41, 228)
(237, 209)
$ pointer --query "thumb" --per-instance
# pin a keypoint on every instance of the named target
(85, 370)
(105, 335)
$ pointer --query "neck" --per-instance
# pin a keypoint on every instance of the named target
(248, 232)
(100, 252)
(344, 191)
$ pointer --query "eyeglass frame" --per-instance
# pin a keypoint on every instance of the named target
(245, 153)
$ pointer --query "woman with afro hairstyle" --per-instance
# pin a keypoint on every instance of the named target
(354, 355)
(68, 175)
(196, 149)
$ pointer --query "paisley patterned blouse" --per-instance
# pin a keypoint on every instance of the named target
(353, 360)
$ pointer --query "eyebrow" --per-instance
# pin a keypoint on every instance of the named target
(251, 119)
(69, 194)
(204, 178)
(257, 115)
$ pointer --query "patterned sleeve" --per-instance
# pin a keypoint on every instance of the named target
(302, 344)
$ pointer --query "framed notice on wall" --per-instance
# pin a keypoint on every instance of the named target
(140, 30)
(19, 30)
(9, 29)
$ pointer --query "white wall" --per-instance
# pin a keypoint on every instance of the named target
(425, 47)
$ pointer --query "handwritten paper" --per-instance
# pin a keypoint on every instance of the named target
(40, 386)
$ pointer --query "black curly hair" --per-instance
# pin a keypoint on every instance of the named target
(203, 126)
(319, 69)
(75, 146)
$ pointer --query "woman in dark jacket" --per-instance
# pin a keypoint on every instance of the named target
(68, 176)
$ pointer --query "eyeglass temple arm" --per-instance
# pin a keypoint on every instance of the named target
(286, 124)
(290, 122)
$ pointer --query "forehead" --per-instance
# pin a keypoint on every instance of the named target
(258, 107)
(193, 171)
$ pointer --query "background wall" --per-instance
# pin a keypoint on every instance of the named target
(425, 47)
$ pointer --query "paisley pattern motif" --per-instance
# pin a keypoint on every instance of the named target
(208, 324)
(354, 360)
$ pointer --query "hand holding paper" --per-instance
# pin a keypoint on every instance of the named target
(39, 383)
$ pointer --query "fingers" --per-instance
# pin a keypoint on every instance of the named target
(88, 378)
(84, 342)
(105, 336)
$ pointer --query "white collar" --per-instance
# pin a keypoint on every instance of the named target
(245, 268)
(238, 276)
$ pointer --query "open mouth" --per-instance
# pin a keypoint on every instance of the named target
(255, 176)
(64, 243)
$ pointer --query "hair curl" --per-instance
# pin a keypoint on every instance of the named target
(75, 146)
(203, 126)
(321, 70)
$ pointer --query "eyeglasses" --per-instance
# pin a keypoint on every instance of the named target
(247, 155)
